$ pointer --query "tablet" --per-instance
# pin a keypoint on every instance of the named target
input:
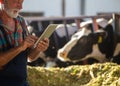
(47, 33)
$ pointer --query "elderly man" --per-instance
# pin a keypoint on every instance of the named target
(16, 45)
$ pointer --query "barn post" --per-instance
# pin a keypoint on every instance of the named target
(66, 30)
(63, 7)
(116, 26)
(77, 21)
(95, 25)
(82, 7)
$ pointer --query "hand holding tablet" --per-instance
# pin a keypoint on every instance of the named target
(47, 33)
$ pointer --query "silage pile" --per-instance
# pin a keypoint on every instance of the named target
(107, 74)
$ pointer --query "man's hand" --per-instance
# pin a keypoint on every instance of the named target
(28, 42)
(43, 45)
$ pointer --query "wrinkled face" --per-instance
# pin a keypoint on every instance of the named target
(12, 7)
(83, 44)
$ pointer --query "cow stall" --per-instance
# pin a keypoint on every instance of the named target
(56, 41)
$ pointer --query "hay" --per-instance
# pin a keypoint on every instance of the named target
(107, 74)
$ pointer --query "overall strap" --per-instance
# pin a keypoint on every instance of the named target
(23, 25)
(25, 30)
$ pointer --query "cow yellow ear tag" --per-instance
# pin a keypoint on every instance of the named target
(100, 39)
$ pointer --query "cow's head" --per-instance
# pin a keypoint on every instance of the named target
(83, 45)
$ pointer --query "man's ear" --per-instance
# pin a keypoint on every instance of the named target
(1, 4)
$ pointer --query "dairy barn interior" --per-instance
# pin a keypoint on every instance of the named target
(69, 13)
(48, 69)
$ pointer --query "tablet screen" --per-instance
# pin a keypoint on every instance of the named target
(47, 33)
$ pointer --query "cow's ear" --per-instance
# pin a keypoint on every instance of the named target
(98, 37)
(101, 36)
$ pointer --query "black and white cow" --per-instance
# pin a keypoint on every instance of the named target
(102, 45)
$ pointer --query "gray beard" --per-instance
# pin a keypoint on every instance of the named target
(10, 13)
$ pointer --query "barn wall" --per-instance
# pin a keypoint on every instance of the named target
(95, 6)
(49, 7)
(73, 7)
(52, 7)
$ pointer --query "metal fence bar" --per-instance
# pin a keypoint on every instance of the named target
(64, 18)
